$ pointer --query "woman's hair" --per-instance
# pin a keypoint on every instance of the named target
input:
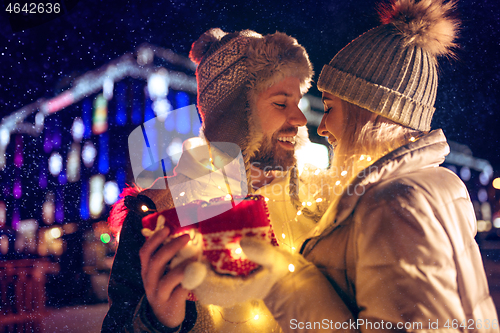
(367, 137)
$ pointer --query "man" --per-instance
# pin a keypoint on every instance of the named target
(249, 87)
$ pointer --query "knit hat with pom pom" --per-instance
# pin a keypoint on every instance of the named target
(391, 70)
(233, 68)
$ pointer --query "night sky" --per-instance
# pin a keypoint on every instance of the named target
(41, 61)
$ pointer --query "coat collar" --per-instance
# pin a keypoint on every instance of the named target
(429, 151)
(194, 176)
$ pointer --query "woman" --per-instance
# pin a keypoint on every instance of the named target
(397, 245)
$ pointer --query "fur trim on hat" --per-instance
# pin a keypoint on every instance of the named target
(233, 69)
(428, 24)
(269, 61)
(275, 57)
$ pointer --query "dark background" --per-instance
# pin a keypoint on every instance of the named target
(40, 60)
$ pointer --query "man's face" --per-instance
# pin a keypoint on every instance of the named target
(280, 117)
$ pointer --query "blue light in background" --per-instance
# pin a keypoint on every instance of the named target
(103, 164)
(182, 122)
(42, 179)
(59, 215)
(56, 137)
(181, 99)
(148, 110)
(120, 178)
(87, 117)
(47, 141)
(62, 179)
(16, 217)
(149, 153)
(121, 104)
(137, 106)
(170, 121)
(84, 202)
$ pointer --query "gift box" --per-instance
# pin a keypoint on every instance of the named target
(221, 224)
(171, 220)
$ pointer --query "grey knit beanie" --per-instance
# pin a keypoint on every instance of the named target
(391, 70)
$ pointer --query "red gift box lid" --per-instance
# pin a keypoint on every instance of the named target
(251, 212)
(189, 212)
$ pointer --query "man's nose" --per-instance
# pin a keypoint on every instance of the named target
(296, 117)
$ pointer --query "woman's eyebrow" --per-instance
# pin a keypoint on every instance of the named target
(280, 93)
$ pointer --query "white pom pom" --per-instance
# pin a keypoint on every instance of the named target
(428, 24)
(194, 274)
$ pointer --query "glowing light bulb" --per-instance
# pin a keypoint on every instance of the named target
(238, 250)
(319, 200)
(55, 232)
(412, 139)
(78, 129)
(337, 182)
(368, 158)
(362, 157)
(303, 203)
(158, 85)
(256, 317)
(299, 212)
(111, 192)
(496, 183)
(55, 163)
(266, 199)
(343, 173)
(144, 208)
(283, 236)
(309, 203)
(182, 194)
(105, 238)
(291, 268)
(88, 154)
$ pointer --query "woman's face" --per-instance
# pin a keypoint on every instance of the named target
(332, 124)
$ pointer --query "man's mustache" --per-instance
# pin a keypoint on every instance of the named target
(287, 132)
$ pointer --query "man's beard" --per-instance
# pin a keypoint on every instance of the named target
(271, 156)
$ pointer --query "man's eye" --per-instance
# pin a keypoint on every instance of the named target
(281, 106)
(328, 110)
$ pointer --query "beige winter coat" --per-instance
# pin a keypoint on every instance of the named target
(195, 182)
(399, 250)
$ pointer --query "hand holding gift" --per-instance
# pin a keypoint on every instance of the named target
(165, 295)
(194, 270)
(222, 225)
